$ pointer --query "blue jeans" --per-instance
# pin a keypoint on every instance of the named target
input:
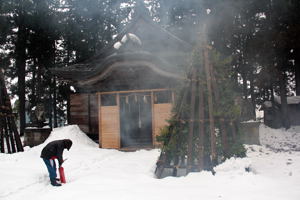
(51, 166)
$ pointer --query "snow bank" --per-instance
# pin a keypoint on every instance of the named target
(94, 173)
(280, 139)
(73, 133)
(80, 139)
(236, 165)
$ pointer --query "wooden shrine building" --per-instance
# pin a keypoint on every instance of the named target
(124, 94)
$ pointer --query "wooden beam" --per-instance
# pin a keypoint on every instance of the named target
(191, 123)
(201, 127)
(131, 91)
(119, 122)
(210, 107)
(99, 120)
(8, 129)
(153, 119)
(89, 113)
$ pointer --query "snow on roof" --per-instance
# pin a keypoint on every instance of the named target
(133, 37)
(290, 100)
(128, 37)
(117, 45)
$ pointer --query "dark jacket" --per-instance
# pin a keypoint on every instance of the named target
(55, 149)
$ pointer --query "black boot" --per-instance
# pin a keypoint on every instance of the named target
(54, 183)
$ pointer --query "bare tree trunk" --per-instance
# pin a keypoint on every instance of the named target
(272, 94)
(20, 63)
(69, 91)
(11, 136)
(50, 110)
(54, 103)
(1, 137)
(33, 84)
(253, 106)
(283, 98)
(297, 74)
(245, 92)
(68, 106)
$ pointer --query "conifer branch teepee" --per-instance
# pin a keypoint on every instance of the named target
(10, 141)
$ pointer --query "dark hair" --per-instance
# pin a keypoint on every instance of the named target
(68, 143)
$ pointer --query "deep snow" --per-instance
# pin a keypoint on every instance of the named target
(94, 173)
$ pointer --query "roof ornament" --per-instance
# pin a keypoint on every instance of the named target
(128, 38)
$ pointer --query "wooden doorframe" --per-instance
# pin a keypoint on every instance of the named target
(151, 91)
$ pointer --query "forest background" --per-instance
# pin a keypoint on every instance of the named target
(262, 37)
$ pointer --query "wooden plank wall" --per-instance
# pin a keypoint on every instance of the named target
(94, 126)
(110, 127)
(79, 111)
(161, 112)
(84, 112)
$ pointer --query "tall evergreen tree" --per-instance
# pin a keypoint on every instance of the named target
(20, 17)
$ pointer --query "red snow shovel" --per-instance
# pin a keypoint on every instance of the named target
(62, 175)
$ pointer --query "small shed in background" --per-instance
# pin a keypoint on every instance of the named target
(273, 115)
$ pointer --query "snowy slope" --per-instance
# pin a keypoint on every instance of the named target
(94, 173)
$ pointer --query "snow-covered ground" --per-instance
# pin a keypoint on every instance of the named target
(94, 173)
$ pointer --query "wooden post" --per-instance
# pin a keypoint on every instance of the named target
(201, 128)
(11, 136)
(99, 120)
(89, 113)
(1, 133)
(8, 129)
(175, 167)
(192, 119)
(210, 108)
(17, 136)
(160, 165)
(118, 104)
(68, 104)
(153, 119)
(6, 135)
(2, 112)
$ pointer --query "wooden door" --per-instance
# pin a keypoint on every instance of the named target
(109, 121)
(136, 119)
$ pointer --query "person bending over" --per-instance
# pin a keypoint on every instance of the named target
(54, 150)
